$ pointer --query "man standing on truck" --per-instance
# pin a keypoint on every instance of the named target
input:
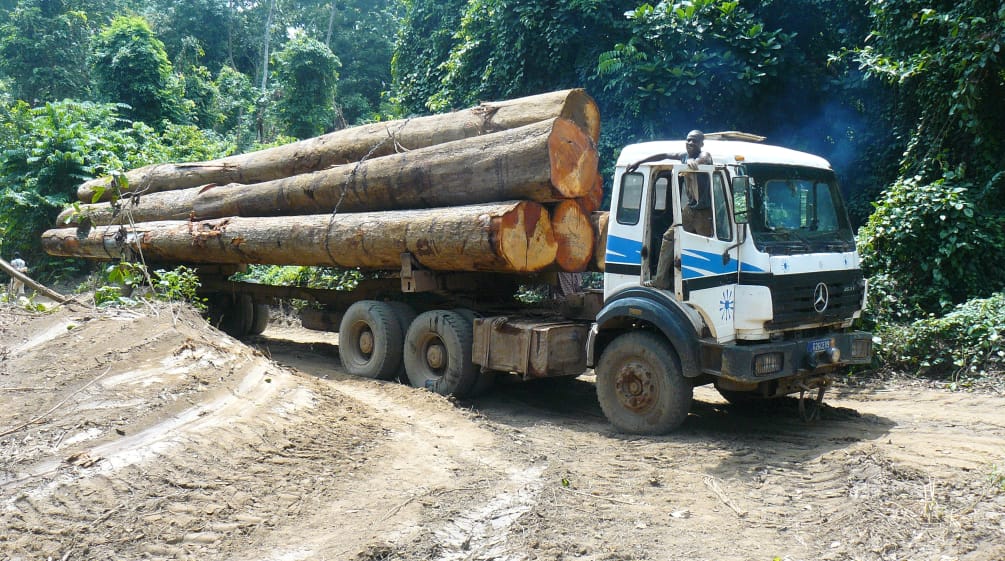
(693, 157)
(696, 210)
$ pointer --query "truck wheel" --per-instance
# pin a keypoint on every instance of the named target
(640, 386)
(438, 353)
(370, 340)
(260, 319)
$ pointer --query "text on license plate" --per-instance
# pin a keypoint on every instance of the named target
(819, 345)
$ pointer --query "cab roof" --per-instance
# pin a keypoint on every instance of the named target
(723, 152)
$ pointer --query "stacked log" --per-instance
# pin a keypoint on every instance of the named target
(518, 193)
(514, 237)
(356, 143)
(545, 162)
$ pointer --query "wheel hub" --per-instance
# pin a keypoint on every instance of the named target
(366, 341)
(436, 356)
(635, 387)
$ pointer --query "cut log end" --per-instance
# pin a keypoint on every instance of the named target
(575, 236)
(574, 159)
(581, 108)
(525, 238)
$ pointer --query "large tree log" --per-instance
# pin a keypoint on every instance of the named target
(575, 236)
(356, 143)
(546, 161)
(515, 236)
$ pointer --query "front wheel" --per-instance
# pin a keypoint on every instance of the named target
(640, 386)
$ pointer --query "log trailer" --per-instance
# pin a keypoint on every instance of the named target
(742, 274)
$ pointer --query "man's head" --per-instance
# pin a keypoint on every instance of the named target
(17, 255)
(695, 140)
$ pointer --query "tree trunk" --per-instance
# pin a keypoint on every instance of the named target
(575, 236)
(357, 143)
(599, 221)
(265, 46)
(546, 161)
(509, 237)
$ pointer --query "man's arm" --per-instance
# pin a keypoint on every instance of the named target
(656, 158)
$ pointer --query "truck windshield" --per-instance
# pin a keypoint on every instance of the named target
(797, 210)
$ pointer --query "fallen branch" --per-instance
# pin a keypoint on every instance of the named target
(713, 485)
(54, 407)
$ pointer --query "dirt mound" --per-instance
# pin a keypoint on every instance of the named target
(146, 433)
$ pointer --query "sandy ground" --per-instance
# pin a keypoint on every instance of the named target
(147, 434)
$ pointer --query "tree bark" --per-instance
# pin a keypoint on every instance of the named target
(356, 143)
(547, 161)
(512, 237)
(575, 236)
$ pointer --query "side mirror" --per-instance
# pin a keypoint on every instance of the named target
(741, 198)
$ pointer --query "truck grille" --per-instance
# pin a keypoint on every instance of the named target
(796, 299)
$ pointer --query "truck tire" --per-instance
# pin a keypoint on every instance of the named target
(640, 386)
(438, 353)
(231, 313)
(486, 378)
(406, 314)
(260, 319)
(370, 340)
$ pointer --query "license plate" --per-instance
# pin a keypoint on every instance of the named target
(818, 346)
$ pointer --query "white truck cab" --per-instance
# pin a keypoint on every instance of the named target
(744, 271)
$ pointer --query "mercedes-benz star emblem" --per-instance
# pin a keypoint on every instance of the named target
(820, 298)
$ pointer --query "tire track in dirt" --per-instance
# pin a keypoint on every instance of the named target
(457, 488)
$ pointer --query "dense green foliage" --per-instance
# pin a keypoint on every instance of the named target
(306, 75)
(931, 245)
(131, 67)
(43, 49)
(937, 234)
(965, 343)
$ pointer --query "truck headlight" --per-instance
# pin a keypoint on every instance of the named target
(861, 348)
(768, 363)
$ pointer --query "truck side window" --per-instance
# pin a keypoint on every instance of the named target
(723, 229)
(696, 203)
(630, 199)
(662, 192)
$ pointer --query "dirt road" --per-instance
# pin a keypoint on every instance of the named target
(148, 435)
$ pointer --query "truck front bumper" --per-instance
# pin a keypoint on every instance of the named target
(768, 361)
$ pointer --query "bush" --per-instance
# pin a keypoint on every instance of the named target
(929, 246)
(965, 342)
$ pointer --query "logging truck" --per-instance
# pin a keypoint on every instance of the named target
(741, 273)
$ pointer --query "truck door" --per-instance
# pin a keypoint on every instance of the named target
(705, 253)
